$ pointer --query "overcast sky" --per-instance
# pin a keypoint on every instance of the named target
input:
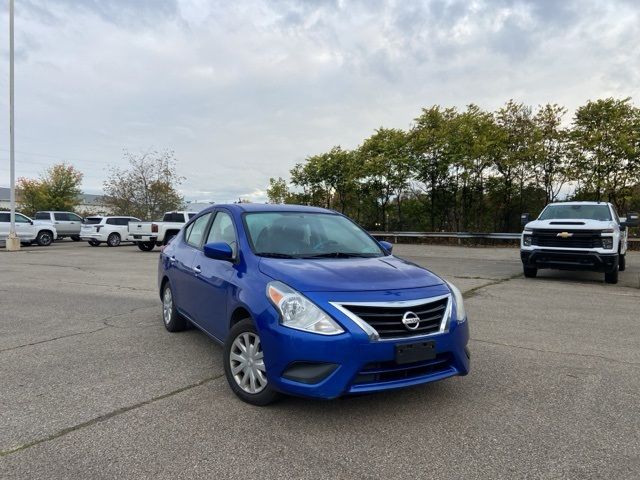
(243, 90)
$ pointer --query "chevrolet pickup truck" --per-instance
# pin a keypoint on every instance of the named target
(149, 234)
(576, 236)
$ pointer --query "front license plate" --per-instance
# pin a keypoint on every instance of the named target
(415, 352)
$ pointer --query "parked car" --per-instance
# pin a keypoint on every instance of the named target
(576, 236)
(27, 230)
(112, 230)
(149, 234)
(307, 303)
(67, 224)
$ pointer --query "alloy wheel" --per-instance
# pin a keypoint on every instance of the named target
(167, 306)
(247, 363)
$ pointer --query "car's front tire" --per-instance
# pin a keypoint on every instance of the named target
(611, 277)
(44, 238)
(244, 365)
(173, 321)
(146, 246)
(529, 272)
(75, 238)
(622, 262)
(113, 240)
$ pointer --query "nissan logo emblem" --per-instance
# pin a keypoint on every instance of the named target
(410, 320)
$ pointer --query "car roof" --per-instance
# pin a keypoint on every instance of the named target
(268, 207)
(579, 203)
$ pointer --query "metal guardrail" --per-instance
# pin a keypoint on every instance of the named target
(457, 235)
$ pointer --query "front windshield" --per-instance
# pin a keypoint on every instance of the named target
(576, 212)
(308, 235)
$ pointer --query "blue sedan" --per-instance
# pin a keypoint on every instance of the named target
(307, 303)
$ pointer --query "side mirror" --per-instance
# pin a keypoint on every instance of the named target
(218, 251)
(31, 222)
(524, 219)
(386, 245)
(632, 220)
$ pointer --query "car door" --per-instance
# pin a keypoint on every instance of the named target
(181, 259)
(75, 223)
(25, 228)
(61, 222)
(5, 225)
(213, 278)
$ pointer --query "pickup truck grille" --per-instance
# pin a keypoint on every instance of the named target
(387, 320)
(578, 238)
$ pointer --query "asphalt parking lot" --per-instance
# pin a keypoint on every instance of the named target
(92, 386)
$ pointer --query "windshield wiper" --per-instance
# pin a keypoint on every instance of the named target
(341, 255)
(275, 255)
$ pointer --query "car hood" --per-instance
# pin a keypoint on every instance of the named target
(348, 274)
(570, 224)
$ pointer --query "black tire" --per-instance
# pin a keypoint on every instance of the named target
(173, 321)
(611, 277)
(530, 272)
(622, 263)
(94, 243)
(75, 238)
(44, 238)
(264, 397)
(113, 240)
(146, 246)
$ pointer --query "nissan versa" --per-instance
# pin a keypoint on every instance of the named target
(307, 303)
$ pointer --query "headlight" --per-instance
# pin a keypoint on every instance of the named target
(461, 314)
(526, 240)
(607, 243)
(296, 311)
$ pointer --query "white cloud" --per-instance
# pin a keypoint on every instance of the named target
(243, 90)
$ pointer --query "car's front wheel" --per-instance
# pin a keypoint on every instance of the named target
(530, 272)
(94, 243)
(44, 238)
(75, 238)
(611, 277)
(244, 365)
(113, 240)
(146, 246)
(173, 321)
(622, 263)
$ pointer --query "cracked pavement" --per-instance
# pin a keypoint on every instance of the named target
(94, 387)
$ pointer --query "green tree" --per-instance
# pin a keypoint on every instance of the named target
(147, 189)
(57, 189)
(277, 191)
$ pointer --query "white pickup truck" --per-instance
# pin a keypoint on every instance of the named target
(149, 234)
(576, 236)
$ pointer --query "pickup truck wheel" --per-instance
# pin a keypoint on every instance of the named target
(530, 272)
(146, 246)
(113, 240)
(622, 262)
(44, 238)
(244, 368)
(173, 321)
(75, 238)
(611, 277)
(94, 243)
(168, 238)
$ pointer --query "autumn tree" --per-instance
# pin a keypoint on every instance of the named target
(57, 189)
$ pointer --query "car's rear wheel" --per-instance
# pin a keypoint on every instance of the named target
(622, 263)
(244, 365)
(611, 277)
(173, 321)
(530, 272)
(75, 238)
(146, 246)
(113, 240)
(94, 243)
(44, 238)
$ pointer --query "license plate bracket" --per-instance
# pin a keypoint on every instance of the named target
(415, 352)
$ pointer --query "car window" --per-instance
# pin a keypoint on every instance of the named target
(222, 231)
(112, 221)
(195, 232)
(599, 212)
(21, 219)
(93, 220)
(61, 217)
(616, 218)
(42, 216)
(191, 215)
(74, 218)
(5, 217)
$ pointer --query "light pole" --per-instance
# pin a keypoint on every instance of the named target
(13, 241)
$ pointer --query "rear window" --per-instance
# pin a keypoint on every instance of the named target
(173, 217)
(93, 220)
(191, 215)
(42, 216)
(5, 217)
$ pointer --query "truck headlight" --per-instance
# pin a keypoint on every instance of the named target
(461, 314)
(607, 243)
(296, 311)
(526, 240)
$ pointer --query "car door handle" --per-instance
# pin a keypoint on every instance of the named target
(197, 269)
(172, 259)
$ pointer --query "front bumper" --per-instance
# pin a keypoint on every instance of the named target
(570, 260)
(312, 365)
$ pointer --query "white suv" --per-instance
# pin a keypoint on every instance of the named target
(43, 233)
(112, 230)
